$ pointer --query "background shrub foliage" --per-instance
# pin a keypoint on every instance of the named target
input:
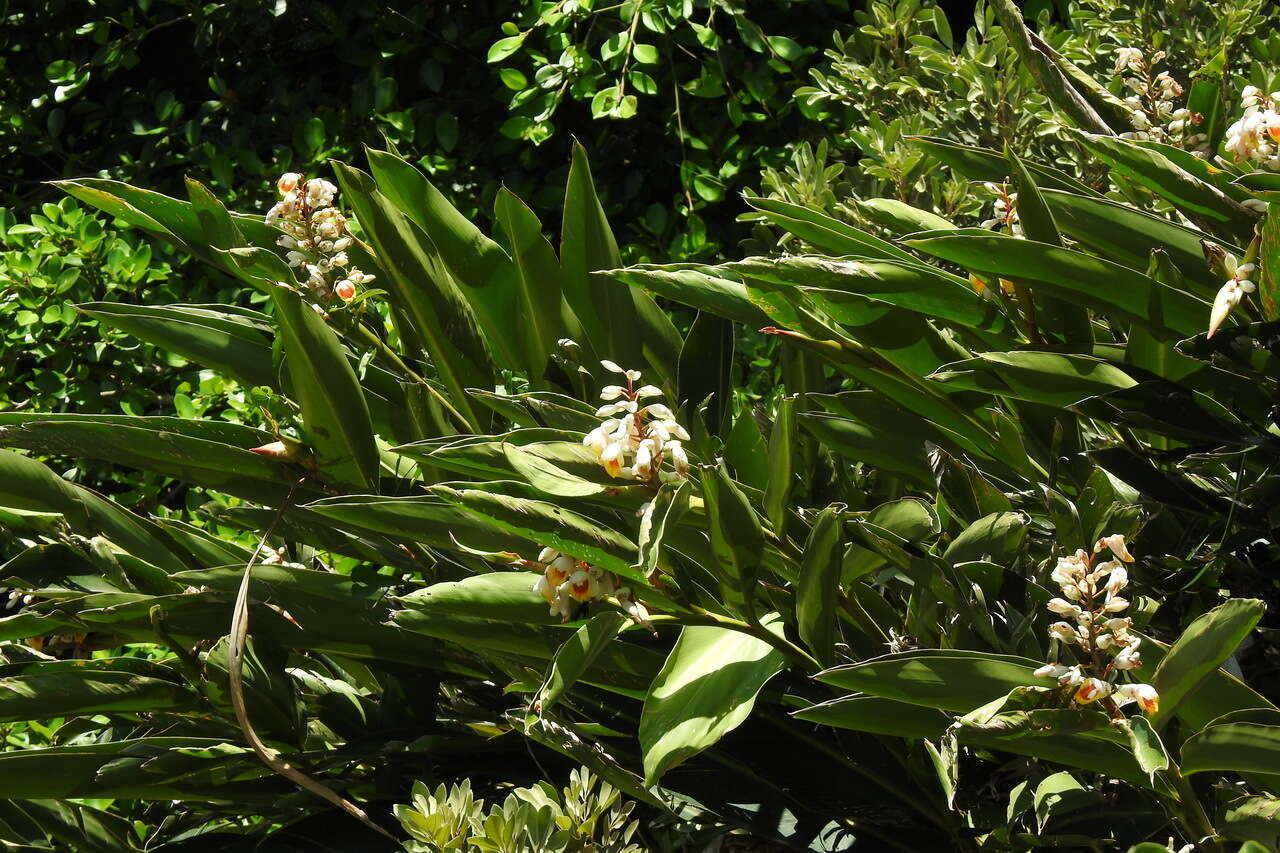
(825, 632)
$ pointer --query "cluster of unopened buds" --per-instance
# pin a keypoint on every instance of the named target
(637, 438)
(315, 236)
(1255, 136)
(1092, 603)
(1232, 291)
(1005, 209)
(566, 584)
(1154, 112)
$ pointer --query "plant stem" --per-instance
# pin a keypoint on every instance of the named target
(396, 361)
(1192, 815)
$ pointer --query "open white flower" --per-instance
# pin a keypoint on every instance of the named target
(635, 441)
(1090, 599)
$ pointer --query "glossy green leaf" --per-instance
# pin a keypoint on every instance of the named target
(706, 689)
(1054, 379)
(825, 232)
(782, 458)
(419, 282)
(334, 410)
(877, 716)
(1203, 647)
(949, 679)
(818, 586)
(1155, 171)
(549, 525)
(1097, 283)
(228, 342)
(577, 654)
(622, 324)
(1234, 747)
(737, 538)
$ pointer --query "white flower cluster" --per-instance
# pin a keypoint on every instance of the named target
(1005, 208)
(1256, 134)
(315, 235)
(565, 583)
(1231, 292)
(1153, 104)
(1091, 599)
(636, 437)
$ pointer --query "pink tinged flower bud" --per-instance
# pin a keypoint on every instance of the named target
(346, 290)
(611, 392)
(1091, 690)
(288, 182)
(1051, 670)
(648, 391)
(679, 459)
(1118, 580)
(1114, 604)
(644, 460)
(546, 555)
(1063, 607)
(1115, 542)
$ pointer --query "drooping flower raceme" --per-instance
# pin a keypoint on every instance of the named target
(566, 584)
(1090, 607)
(637, 437)
(1255, 136)
(315, 237)
(1235, 288)
(1153, 104)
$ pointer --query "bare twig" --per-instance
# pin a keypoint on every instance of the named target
(235, 666)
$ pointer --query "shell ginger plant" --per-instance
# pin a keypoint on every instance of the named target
(1093, 603)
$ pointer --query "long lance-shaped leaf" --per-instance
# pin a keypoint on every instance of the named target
(783, 454)
(25, 484)
(623, 324)
(1097, 283)
(825, 232)
(706, 689)
(544, 316)
(1051, 78)
(1170, 180)
(513, 319)
(577, 654)
(227, 342)
(1056, 318)
(737, 538)
(144, 444)
(1055, 379)
(170, 219)
(1129, 236)
(697, 286)
(947, 679)
(906, 284)
(421, 284)
(983, 164)
(1203, 647)
(551, 526)
(334, 409)
(43, 695)
(819, 584)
